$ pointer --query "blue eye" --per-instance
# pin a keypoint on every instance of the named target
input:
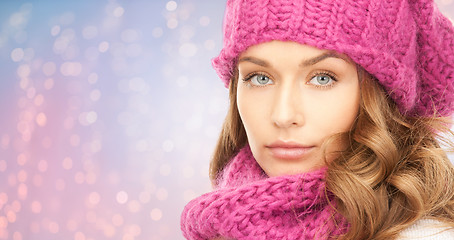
(322, 80)
(259, 80)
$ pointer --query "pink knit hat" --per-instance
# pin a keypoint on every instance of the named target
(408, 45)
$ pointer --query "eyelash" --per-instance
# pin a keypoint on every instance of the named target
(327, 73)
(249, 76)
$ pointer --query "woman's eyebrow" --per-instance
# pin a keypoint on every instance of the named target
(323, 56)
(254, 60)
(305, 63)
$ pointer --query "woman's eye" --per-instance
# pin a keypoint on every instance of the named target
(322, 80)
(260, 80)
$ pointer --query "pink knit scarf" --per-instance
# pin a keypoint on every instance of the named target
(249, 205)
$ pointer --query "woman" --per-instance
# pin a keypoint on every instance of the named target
(336, 116)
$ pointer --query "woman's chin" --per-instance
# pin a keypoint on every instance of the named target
(285, 169)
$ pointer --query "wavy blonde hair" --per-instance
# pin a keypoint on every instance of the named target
(393, 173)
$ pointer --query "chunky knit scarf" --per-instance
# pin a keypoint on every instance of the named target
(249, 205)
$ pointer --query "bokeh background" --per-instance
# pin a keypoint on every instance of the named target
(110, 111)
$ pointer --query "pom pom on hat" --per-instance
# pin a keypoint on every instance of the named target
(407, 45)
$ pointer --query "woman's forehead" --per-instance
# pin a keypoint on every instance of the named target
(264, 53)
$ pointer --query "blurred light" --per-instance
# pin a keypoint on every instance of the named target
(71, 225)
(23, 71)
(167, 146)
(79, 236)
(95, 95)
(46, 142)
(22, 102)
(29, 54)
(88, 118)
(89, 32)
(22, 176)
(54, 227)
(118, 11)
(92, 78)
(134, 206)
(17, 19)
(117, 220)
(162, 194)
(79, 177)
(5, 140)
(144, 197)
(35, 227)
(157, 32)
(16, 206)
(184, 13)
(67, 18)
(17, 54)
(39, 100)
(71, 68)
(109, 231)
(138, 85)
(42, 166)
(3, 198)
(186, 33)
(17, 236)
(11, 216)
(22, 191)
(37, 180)
(188, 50)
(172, 23)
(31, 92)
(188, 172)
(68, 123)
(122, 197)
(129, 35)
(41, 119)
(133, 230)
(74, 102)
(103, 46)
(91, 217)
(3, 222)
(90, 178)
(182, 81)
(24, 82)
(55, 30)
(209, 44)
(165, 170)
(67, 163)
(49, 68)
(142, 146)
(49, 83)
(204, 21)
(171, 6)
(133, 50)
(3, 165)
(156, 214)
(36, 207)
(60, 185)
(188, 195)
(21, 159)
(94, 198)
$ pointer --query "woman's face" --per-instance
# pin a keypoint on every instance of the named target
(291, 97)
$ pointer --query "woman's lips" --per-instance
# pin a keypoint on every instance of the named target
(288, 150)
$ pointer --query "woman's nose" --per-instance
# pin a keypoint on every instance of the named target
(287, 107)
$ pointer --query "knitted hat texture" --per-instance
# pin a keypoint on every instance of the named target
(249, 205)
(407, 45)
